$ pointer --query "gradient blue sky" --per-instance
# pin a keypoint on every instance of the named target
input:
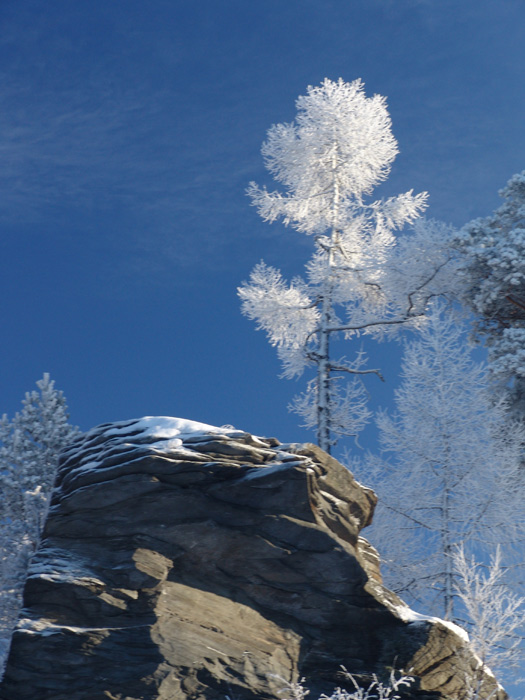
(128, 133)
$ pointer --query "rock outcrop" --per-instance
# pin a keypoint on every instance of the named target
(181, 561)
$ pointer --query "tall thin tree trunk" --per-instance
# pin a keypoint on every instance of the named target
(323, 376)
(448, 593)
(323, 366)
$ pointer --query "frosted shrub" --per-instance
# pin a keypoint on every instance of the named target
(376, 690)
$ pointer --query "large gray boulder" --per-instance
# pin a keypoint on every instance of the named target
(182, 561)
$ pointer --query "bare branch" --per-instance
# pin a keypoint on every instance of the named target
(369, 324)
(350, 370)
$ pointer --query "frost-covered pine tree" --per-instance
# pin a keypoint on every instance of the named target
(449, 470)
(361, 279)
(29, 448)
(494, 251)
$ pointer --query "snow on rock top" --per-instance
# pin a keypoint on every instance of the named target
(157, 433)
(165, 427)
(102, 451)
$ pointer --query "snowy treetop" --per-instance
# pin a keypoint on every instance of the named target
(340, 146)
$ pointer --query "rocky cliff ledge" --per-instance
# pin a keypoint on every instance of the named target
(182, 561)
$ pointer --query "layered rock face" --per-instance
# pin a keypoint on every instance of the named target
(181, 561)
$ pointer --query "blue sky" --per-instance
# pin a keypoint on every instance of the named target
(128, 134)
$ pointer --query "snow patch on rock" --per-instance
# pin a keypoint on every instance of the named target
(415, 618)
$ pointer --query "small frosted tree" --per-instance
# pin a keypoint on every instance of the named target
(30, 444)
(329, 161)
(494, 616)
(494, 255)
(449, 474)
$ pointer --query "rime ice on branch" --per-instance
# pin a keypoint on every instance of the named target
(328, 162)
